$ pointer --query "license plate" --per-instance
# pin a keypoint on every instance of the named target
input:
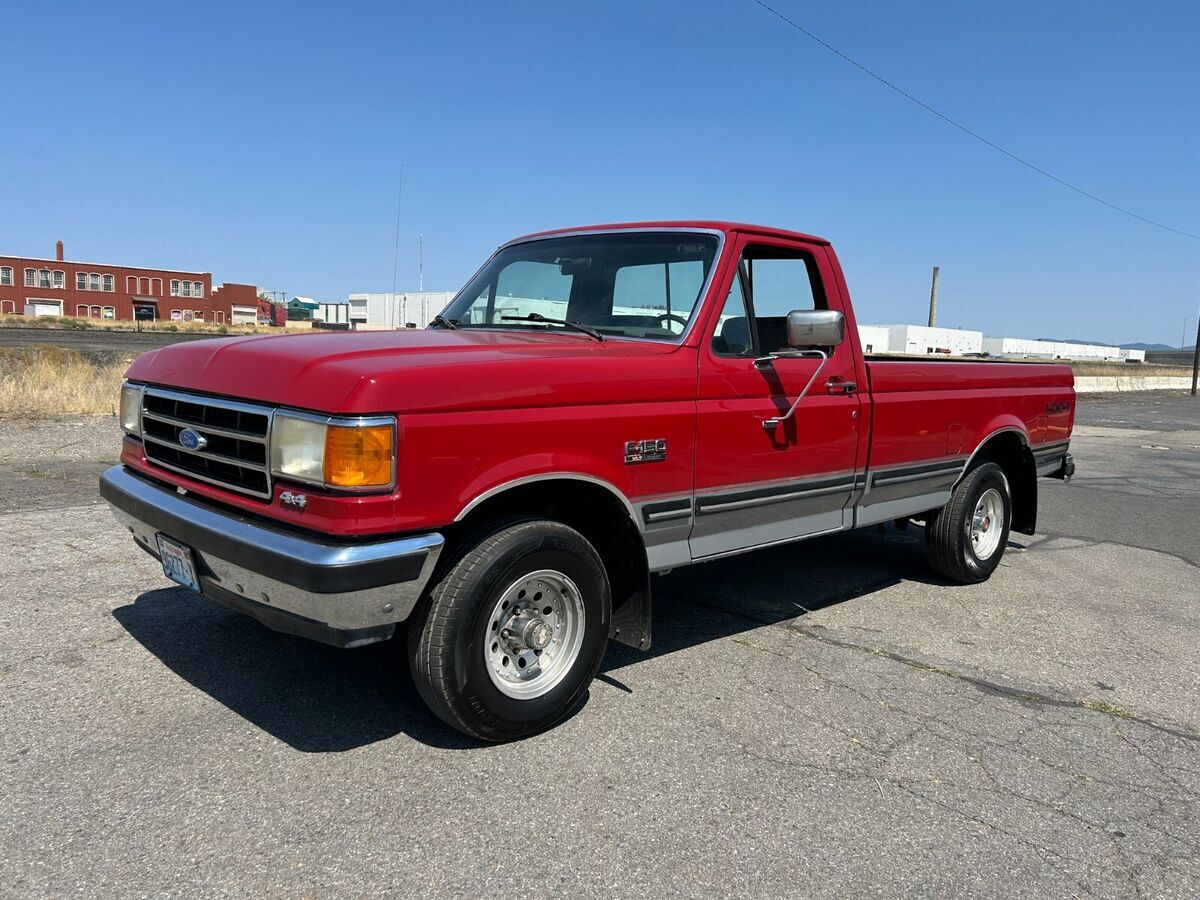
(177, 562)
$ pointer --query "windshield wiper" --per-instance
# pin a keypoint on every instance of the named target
(538, 317)
(444, 322)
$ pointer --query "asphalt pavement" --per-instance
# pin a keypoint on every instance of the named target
(824, 719)
(96, 343)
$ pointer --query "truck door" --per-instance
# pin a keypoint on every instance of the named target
(758, 485)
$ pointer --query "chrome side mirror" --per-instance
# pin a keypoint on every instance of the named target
(815, 328)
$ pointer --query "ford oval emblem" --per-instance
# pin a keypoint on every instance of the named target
(190, 440)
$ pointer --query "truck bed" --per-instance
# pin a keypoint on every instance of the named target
(923, 409)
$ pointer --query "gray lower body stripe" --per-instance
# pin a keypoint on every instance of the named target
(903, 474)
(715, 503)
(880, 480)
(667, 510)
(1056, 450)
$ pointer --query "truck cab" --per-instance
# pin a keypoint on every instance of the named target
(595, 406)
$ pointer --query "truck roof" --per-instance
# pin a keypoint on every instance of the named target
(706, 224)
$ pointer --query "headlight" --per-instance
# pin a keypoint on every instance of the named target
(298, 448)
(131, 408)
(356, 454)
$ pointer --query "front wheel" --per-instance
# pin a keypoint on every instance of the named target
(966, 537)
(511, 636)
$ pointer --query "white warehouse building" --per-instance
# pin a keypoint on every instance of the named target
(925, 341)
(874, 338)
(399, 310)
(1026, 348)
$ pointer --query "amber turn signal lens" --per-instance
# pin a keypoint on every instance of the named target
(359, 456)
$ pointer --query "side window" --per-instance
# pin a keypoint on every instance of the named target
(779, 280)
(732, 337)
(778, 286)
(774, 281)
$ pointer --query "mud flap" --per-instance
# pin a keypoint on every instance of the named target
(631, 620)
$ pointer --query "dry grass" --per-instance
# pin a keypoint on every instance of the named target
(44, 382)
(74, 323)
(1135, 370)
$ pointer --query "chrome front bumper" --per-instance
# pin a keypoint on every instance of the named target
(346, 594)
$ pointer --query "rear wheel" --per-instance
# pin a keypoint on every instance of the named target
(511, 636)
(966, 537)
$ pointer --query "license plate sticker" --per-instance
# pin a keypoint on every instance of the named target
(177, 562)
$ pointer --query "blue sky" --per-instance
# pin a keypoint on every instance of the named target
(263, 142)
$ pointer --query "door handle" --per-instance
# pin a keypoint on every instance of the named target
(840, 386)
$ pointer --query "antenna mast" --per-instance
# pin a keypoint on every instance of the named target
(396, 257)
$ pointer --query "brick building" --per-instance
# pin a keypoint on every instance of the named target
(61, 287)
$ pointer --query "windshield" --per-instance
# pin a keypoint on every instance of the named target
(627, 284)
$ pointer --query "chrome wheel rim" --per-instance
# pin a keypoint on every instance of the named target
(987, 524)
(534, 634)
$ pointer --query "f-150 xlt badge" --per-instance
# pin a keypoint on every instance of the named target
(645, 451)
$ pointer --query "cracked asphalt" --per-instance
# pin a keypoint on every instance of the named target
(826, 719)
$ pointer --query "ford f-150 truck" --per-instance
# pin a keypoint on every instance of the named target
(596, 405)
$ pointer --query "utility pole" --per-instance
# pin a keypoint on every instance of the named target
(933, 300)
(421, 263)
(1196, 359)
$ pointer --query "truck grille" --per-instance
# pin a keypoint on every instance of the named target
(235, 452)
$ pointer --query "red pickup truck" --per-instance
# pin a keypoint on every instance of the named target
(595, 406)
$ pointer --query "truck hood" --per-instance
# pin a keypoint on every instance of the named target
(423, 370)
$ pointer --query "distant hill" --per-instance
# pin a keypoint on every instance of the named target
(1152, 347)
(1136, 345)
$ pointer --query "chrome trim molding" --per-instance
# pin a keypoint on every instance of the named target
(706, 505)
(260, 409)
(549, 476)
(984, 442)
(1058, 448)
(211, 429)
(666, 510)
(207, 454)
(224, 485)
(668, 515)
(916, 472)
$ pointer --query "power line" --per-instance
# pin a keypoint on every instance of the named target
(965, 129)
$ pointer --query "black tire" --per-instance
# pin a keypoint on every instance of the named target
(447, 635)
(948, 531)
